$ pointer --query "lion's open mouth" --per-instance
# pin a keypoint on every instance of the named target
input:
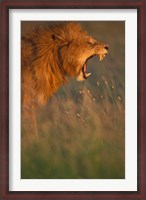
(83, 73)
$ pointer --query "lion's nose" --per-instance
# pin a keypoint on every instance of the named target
(106, 47)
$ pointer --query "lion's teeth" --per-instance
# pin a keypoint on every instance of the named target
(100, 57)
(88, 74)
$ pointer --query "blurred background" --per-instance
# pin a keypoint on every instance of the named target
(82, 128)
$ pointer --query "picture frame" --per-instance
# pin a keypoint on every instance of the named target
(4, 136)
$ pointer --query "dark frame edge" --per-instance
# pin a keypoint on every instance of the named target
(3, 156)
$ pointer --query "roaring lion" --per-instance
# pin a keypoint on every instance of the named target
(49, 55)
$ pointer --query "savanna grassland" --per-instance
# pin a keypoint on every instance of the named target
(82, 128)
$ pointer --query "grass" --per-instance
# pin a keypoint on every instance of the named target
(82, 129)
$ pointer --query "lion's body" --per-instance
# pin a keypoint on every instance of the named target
(48, 57)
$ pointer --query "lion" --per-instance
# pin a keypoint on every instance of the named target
(49, 56)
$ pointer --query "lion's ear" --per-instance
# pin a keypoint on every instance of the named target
(57, 37)
(59, 40)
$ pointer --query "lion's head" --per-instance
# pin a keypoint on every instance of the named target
(75, 48)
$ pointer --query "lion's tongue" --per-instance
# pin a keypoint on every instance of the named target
(84, 68)
(85, 74)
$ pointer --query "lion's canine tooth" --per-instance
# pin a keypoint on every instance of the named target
(88, 74)
(100, 57)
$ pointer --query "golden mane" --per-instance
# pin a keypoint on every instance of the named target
(46, 67)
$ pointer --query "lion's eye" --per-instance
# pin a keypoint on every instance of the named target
(91, 42)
